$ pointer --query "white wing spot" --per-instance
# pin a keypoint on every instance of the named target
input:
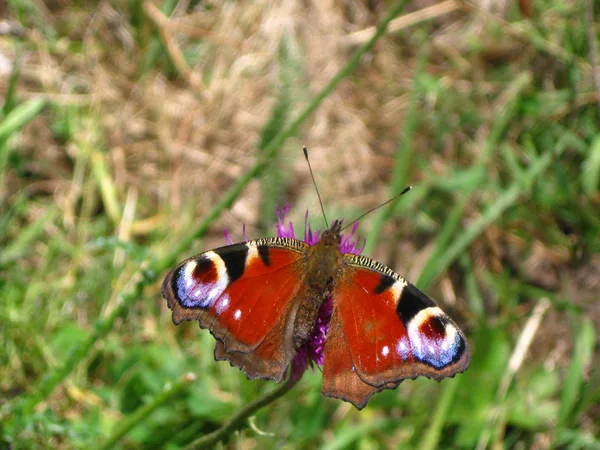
(385, 350)
(402, 348)
(223, 303)
(237, 314)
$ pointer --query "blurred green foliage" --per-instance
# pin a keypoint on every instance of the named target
(90, 357)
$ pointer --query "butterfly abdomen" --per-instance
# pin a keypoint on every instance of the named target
(323, 261)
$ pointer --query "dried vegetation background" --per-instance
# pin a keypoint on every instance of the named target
(124, 124)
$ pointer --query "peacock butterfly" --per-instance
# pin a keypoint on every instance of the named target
(264, 300)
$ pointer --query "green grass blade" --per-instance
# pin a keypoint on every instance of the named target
(354, 433)
(590, 176)
(580, 364)
(155, 49)
(23, 244)
(431, 437)
(10, 98)
(20, 116)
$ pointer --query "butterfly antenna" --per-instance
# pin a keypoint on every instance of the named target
(315, 184)
(404, 191)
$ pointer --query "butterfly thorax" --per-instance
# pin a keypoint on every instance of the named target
(323, 262)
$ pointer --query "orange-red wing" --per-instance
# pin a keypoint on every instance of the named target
(392, 330)
(243, 293)
(340, 379)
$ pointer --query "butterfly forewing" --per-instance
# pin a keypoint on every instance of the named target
(393, 330)
(244, 294)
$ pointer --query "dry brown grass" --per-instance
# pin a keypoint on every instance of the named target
(178, 140)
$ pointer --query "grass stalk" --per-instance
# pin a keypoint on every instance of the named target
(432, 435)
(20, 116)
(239, 419)
(144, 411)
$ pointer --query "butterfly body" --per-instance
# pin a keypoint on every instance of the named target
(323, 263)
(261, 300)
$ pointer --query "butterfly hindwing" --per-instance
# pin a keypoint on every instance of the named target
(393, 331)
(244, 294)
(340, 379)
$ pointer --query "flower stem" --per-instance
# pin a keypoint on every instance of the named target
(237, 421)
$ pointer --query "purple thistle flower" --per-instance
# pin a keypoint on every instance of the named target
(228, 239)
(282, 231)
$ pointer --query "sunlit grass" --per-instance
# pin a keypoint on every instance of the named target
(113, 167)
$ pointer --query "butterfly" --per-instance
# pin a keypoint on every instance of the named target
(261, 299)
